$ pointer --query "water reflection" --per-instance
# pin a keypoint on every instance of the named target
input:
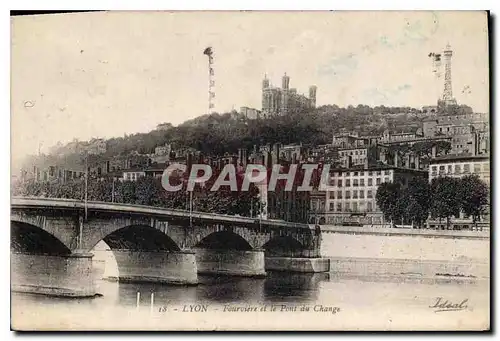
(279, 287)
(276, 287)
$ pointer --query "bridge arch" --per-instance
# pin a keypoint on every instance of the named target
(138, 238)
(283, 246)
(224, 240)
(32, 239)
(60, 228)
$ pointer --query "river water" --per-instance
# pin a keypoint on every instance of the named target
(326, 301)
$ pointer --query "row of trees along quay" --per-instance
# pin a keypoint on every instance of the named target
(443, 198)
(148, 190)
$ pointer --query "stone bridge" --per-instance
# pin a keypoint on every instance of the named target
(52, 242)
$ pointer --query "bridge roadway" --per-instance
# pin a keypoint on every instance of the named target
(52, 242)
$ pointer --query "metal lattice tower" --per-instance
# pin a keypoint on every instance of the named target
(447, 93)
(211, 81)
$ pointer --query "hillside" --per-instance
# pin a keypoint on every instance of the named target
(217, 134)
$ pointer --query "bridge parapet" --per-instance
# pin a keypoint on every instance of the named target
(64, 218)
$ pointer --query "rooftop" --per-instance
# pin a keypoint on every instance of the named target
(376, 168)
(460, 157)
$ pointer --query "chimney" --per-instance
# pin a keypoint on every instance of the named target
(240, 156)
(475, 144)
(189, 162)
(245, 158)
(276, 153)
(434, 151)
(268, 159)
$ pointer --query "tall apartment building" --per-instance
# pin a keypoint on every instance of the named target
(457, 166)
(280, 101)
(469, 132)
(350, 198)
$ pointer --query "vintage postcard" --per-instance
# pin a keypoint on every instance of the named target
(250, 171)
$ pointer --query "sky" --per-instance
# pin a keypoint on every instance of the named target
(106, 74)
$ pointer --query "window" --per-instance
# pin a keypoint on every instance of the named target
(347, 174)
(362, 173)
(477, 168)
(370, 182)
(466, 168)
(370, 173)
(356, 153)
(355, 183)
(332, 195)
(369, 194)
(339, 207)
(340, 183)
(355, 173)
(314, 205)
(378, 181)
(332, 206)
(458, 169)
(347, 207)
(386, 179)
(355, 206)
(379, 173)
(362, 182)
(348, 183)
(434, 169)
(369, 207)
(386, 172)
(339, 194)
(449, 169)
(486, 167)
(354, 194)
(361, 194)
(347, 195)
(441, 169)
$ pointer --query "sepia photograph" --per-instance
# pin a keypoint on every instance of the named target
(250, 171)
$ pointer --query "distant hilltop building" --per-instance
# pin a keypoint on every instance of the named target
(250, 113)
(280, 101)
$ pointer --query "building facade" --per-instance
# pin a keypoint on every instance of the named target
(250, 113)
(280, 101)
(458, 166)
(350, 197)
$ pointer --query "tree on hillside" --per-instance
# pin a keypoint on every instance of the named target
(445, 198)
(387, 198)
(473, 197)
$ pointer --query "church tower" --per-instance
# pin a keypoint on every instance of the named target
(312, 95)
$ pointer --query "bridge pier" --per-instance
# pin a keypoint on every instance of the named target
(231, 262)
(55, 275)
(171, 267)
